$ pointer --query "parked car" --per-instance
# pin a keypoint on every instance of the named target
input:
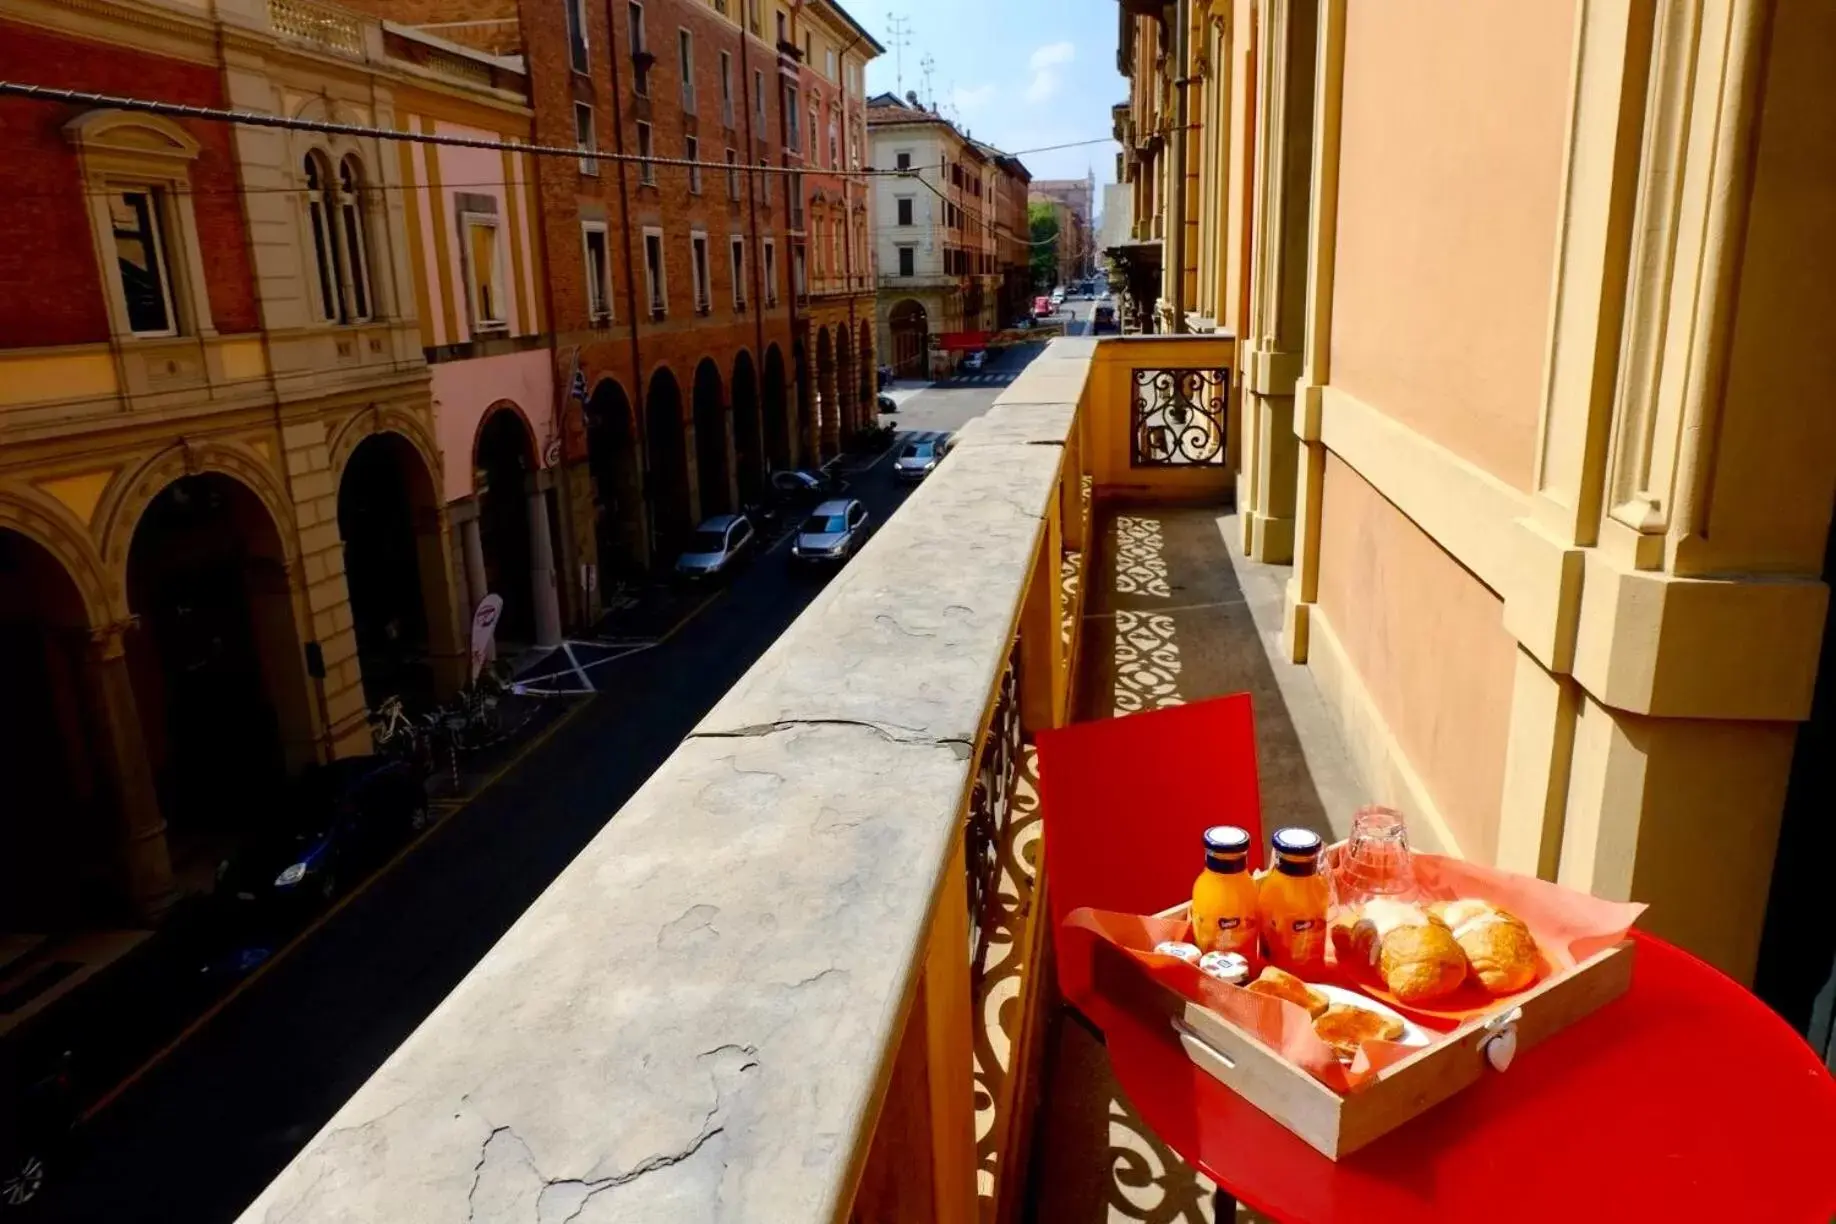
(975, 360)
(920, 457)
(886, 403)
(834, 531)
(716, 547)
(37, 1110)
(1103, 319)
(335, 822)
(802, 487)
(1044, 308)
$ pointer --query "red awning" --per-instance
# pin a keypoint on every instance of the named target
(969, 340)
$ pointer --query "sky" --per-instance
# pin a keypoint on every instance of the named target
(1018, 74)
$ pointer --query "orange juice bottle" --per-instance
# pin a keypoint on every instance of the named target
(1293, 900)
(1224, 895)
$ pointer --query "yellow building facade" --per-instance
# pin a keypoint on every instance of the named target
(1531, 305)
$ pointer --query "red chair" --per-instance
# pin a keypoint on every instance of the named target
(1126, 800)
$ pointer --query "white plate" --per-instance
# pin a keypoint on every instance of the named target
(1411, 1034)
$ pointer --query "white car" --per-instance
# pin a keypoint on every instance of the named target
(919, 457)
(715, 546)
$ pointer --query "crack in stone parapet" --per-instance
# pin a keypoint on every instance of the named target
(958, 745)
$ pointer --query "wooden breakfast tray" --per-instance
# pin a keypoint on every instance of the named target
(1339, 1125)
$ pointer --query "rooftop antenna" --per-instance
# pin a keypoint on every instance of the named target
(927, 66)
(900, 39)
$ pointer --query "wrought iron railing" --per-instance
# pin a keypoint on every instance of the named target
(329, 28)
(1177, 417)
(991, 807)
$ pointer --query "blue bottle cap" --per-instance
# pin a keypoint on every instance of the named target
(1226, 840)
(1296, 841)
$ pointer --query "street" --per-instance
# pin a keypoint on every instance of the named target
(203, 1129)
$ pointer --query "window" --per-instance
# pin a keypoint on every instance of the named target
(598, 271)
(799, 281)
(320, 215)
(783, 31)
(835, 247)
(831, 63)
(752, 17)
(771, 273)
(576, 34)
(815, 136)
(647, 169)
(726, 89)
(809, 56)
(720, 6)
(141, 257)
(834, 145)
(732, 175)
(698, 263)
(903, 161)
(905, 210)
(685, 62)
(484, 271)
(640, 49)
(791, 123)
(758, 95)
(655, 284)
(693, 150)
(737, 251)
(356, 260)
(908, 257)
(583, 137)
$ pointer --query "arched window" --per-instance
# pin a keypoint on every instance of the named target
(322, 213)
(339, 244)
(356, 248)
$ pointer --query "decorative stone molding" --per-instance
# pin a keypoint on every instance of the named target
(46, 522)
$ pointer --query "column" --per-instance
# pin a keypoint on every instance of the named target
(145, 862)
(546, 601)
(829, 404)
(477, 586)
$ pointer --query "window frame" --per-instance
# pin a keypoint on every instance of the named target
(354, 230)
(685, 64)
(639, 38)
(656, 280)
(733, 175)
(770, 271)
(579, 52)
(908, 259)
(700, 272)
(736, 262)
(603, 282)
(154, 221)
(468, 221)
(590, 142)
(691, 146)
(726, 89)
(647, 152)
(902, 160)
(905, 210)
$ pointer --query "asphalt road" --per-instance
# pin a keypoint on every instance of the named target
(201, 1133)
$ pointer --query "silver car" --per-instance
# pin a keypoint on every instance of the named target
(919, 457)
(714, 547)
(832, 533)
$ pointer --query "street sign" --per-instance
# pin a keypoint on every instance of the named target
(484, 630)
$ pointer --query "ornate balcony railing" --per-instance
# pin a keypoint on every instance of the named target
(1177, 417)
(798, 975)
(330, 29)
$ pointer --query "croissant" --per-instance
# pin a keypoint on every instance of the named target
(1412, 951)
(1498, 946)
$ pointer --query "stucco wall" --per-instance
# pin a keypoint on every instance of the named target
(1449, 181)
(1428, 643)
(464, 390)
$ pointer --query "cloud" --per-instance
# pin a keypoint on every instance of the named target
(969, 100)
(1045, 63)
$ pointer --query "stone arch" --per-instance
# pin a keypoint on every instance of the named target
(138, 489)
(363, 424)
(46, 522)
(847, 408)
(666, 464)
(828, 425)
(504, 451)
(484, 418)
(779, 423)
(141, 134)
(614, 459)
(749, 448)
(713, 440)
(909, 323)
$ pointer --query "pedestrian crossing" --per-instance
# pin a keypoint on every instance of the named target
(985, 378)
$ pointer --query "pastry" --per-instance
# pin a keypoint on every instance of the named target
(1345, 1028)
(1499, 948)
(1412, 952)
(1284, 985)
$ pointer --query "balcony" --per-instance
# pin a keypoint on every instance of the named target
(801, 974)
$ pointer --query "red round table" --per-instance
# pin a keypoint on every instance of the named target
(1685, 1099)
